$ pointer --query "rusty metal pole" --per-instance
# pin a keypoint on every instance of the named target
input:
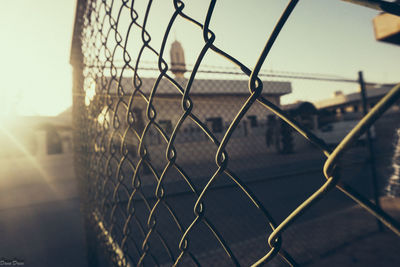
(370, 146)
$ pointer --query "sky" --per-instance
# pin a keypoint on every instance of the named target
(34, 51)
(321, 36)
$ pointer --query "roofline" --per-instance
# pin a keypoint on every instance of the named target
(384, 88)
(169, 95)
(218, 94)
(349, 102)
(280, 91)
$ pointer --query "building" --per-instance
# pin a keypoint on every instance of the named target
(216, 102)
(349, 106)
(341, 113)
(37, 136)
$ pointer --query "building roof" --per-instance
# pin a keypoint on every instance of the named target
(372, 91)
(204, 87)
(65, 116)
(40, 122)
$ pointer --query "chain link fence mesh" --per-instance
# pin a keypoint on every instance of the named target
(176, 170)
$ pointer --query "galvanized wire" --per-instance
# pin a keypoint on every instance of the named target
(114, 172)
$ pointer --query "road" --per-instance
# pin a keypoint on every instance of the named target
(41, 222)
(280, 187)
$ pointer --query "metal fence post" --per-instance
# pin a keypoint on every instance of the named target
(370, 146)
(79, 138)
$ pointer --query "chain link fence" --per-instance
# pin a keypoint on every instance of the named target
(189, 169)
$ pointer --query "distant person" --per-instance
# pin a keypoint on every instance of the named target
(393, 188)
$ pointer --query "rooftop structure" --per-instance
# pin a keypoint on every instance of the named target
(201, 87)
(339, 99)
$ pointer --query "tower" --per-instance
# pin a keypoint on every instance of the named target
(178, 66)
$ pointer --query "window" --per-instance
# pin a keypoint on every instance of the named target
(138, 123)
(216, 124)
(53, 141)
(253, 121)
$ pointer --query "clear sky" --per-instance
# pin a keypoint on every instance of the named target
(322, 36)
(34, 52)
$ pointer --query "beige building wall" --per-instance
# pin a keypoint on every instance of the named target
(191, 143)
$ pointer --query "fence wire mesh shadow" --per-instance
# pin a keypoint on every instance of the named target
(169, 164)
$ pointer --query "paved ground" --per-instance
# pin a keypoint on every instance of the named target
(349, 237)
(236, 219)
(40, 222)
(354, 239)
(45, 234)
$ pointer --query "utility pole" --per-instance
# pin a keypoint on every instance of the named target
(370, 146)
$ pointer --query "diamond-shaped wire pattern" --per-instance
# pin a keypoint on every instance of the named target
(136, 136)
